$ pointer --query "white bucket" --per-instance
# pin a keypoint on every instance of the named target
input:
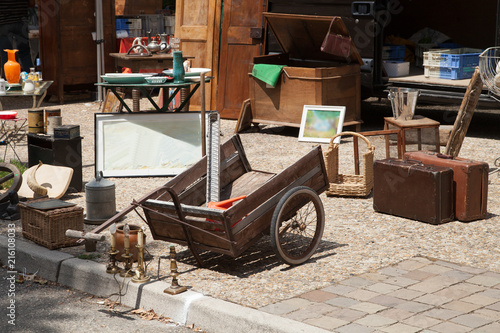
(403, 101)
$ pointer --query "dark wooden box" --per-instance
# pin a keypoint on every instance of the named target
(62, 152)
(67, 132)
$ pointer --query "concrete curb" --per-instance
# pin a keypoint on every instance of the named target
(34, 258)
(190, 307)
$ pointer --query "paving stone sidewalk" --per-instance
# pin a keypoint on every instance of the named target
(416, 295)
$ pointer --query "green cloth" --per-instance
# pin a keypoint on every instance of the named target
(267, 73)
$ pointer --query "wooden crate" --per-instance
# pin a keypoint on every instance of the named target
(299, 86)
(312, 77)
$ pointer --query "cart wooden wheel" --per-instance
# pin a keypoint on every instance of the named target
(8, 172)
(297, 225)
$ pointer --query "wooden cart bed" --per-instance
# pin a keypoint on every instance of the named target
(177, 211)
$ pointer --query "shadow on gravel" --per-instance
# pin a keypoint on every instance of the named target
(258, 258)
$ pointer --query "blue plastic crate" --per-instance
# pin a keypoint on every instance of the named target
(456, 73)
(121, 24)
(393, 52)
(460, 58)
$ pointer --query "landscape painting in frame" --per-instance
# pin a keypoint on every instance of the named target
(320, 123)
(146, 144)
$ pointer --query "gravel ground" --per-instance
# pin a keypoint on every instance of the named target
(356, 239)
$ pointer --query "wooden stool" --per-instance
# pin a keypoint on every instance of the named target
(418, 123)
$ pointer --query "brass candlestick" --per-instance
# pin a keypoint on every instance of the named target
(140, 274)
(112, 268)
(174, 288)
(127, 271)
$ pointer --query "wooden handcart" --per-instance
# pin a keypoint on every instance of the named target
(285, 205)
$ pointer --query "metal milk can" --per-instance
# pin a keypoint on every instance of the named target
(100, 200)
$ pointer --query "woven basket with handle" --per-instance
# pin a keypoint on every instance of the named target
(349, 185)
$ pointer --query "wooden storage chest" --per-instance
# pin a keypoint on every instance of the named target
(311, 77)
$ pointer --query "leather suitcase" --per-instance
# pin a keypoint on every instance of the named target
(413, 190)
(470, 182)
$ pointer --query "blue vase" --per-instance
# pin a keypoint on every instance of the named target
(178, 67)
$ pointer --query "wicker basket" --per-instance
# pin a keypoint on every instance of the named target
(349, 185)
(48, 228)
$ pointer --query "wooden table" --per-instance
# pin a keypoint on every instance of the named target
(40, 92)
(418, 123)
(167, 98)
(136, 63)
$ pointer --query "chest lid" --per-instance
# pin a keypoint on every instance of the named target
(301, 36)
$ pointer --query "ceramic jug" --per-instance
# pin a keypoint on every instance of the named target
(4, 87)
(178, 67)
(28, 86)
(164, 45)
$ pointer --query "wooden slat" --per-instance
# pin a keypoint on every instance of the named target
(245, 184)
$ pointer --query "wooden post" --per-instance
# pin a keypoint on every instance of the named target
(464, 115)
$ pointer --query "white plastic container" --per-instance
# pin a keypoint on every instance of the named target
(396, 68)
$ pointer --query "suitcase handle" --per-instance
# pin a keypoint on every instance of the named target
(444, 156)
(415, 161)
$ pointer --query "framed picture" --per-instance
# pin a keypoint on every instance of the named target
(146, 143)
(321, 122)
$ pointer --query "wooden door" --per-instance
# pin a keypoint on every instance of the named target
(241, 21)
(67, 50)
(196, 24)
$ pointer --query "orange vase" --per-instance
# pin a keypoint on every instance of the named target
(12, 69)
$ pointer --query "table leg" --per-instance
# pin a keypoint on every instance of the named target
(136, 100)
(184, 93)
(419, 138)
(188, 97)
(387, 145)
(169, 99)
(438, 141)
(402, 148)
(37, 105)
(113, 90)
